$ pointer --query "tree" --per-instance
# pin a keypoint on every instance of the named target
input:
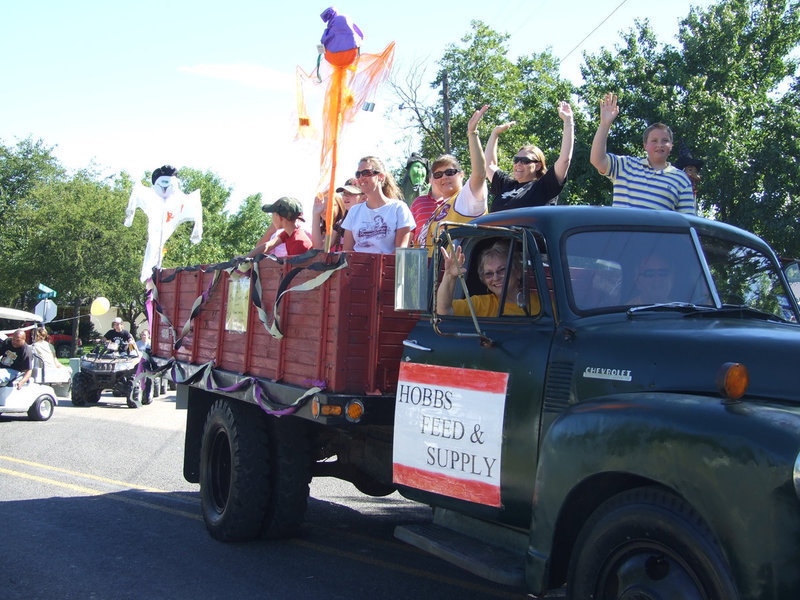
(643, 76)
(737, 56)
(479, 72)
(75, 242)
(22, 168)
(730, 93)
(246, 227)
(224, 235)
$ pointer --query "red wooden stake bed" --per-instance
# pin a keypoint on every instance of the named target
(344, 335)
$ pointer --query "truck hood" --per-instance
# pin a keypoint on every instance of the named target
(659, 352)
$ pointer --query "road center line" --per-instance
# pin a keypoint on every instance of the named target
(124, 484)
(104, 493)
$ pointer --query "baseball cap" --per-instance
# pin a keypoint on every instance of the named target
(117, 320)
(288, 208)
(349, 186)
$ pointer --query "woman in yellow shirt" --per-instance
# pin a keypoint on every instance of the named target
(492, 273)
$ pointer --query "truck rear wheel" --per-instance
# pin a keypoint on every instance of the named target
(648, 543)
(254, 473)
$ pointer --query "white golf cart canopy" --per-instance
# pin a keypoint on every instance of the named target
(12, 314)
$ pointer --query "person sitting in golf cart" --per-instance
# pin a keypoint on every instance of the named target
(16, 357)
(54, 371)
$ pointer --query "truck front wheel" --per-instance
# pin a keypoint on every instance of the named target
(254, 473)
(648, 543)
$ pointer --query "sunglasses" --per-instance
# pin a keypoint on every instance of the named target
(366, 173)
(448, 172)
(525, 160)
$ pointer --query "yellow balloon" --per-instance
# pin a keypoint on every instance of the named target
(99, 306)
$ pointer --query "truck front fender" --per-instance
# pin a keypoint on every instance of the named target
(733, 463)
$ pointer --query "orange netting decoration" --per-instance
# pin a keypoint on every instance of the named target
(351, 79)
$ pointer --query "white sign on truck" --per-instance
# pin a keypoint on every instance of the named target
(448, 431)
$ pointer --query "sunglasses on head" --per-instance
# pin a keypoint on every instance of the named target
(366, 173)
(525, 160)
(448, 172)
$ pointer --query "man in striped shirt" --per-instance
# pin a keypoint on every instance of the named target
(642, 182)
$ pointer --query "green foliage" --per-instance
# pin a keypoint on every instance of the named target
(247, 226)
(224, 235)
(68, 231)
(526, 91)
(729, 90)
(723, 93)
(22, 168)
(75, 241)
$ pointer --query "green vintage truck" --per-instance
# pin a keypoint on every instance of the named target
(632, 430)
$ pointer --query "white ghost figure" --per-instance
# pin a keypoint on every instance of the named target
(166, 207)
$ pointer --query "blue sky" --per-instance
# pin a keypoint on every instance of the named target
(210, 85)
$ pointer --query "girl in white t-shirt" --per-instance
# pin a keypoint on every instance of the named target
(382, 222)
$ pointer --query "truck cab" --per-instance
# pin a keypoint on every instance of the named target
(627, 425)
(657, 356)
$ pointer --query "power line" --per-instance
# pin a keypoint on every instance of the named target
(531, 13)
(592, 31)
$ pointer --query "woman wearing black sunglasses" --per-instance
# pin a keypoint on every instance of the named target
(449, 199)
(531, 183)
(382, 222)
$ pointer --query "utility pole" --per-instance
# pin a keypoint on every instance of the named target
(446, 104)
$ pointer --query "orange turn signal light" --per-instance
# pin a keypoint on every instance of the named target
(355, 410)
(331, 410)
(732, 380)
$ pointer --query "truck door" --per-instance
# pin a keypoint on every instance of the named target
(469, 402)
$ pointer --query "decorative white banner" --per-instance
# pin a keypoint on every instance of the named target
(448, 431)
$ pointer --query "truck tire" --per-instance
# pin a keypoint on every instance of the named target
(42, 409)
(64, 350)
(254, 473)
(83, 390)
(369, 486)
(648, 543)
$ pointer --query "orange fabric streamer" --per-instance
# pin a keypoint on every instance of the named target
(351, 80)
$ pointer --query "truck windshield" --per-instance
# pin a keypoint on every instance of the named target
(629, 268)
(619, 269)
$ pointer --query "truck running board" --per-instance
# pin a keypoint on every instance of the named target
(501, 564)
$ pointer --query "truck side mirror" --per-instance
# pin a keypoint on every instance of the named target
(792, 272)
(411, 279)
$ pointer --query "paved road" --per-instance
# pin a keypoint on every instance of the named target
(94, 506)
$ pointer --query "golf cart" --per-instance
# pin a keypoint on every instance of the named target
(35, 397)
